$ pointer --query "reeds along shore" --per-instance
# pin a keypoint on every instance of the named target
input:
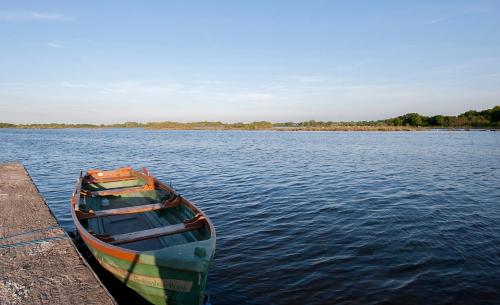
(485, 119)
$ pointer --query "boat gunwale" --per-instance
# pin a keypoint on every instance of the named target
(120, 252)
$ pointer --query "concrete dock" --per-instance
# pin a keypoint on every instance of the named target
(38, 262)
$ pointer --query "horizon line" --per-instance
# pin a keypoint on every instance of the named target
(239, 122)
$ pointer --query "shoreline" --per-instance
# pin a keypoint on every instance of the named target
(280, 129)
(488, 119)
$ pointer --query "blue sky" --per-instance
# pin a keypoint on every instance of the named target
(115, 61)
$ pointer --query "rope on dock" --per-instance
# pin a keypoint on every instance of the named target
(29, 232)
(33, 242)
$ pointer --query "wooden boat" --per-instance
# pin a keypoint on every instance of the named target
(145, 234)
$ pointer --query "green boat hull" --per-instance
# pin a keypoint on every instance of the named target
(157, 284)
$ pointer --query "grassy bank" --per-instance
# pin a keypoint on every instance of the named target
(221, 126)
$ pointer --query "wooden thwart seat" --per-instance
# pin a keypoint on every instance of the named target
(90, 180)
(174, 202)
(118, 191)
(194, 223)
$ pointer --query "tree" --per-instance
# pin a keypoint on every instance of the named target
(495, 114)
(398, 121)
(412, 119)
(437, 120)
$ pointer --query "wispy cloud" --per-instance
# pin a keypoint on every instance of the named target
(453, 15)
(280, 100)
(433, 21)
(145, 87)
(252, 97)
(33, 16)
(73, 85)
(54, 45)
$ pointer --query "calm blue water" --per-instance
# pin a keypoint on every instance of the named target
(311, 217)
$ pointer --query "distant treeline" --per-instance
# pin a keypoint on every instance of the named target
(489, 118)
(472, 118)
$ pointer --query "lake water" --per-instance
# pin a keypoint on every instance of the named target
(311, 217)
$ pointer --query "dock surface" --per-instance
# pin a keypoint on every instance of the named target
(38, 262)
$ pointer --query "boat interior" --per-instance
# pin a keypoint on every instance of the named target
(133, 210)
